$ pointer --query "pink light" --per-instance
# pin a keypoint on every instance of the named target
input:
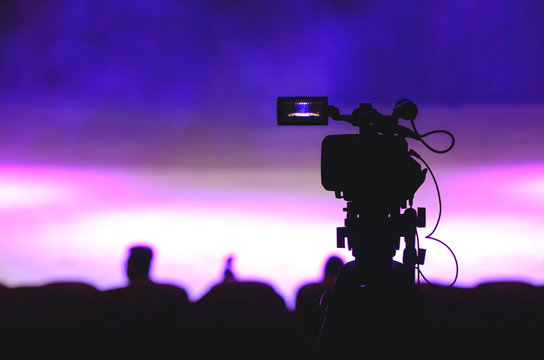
(26, 187)
(85, 220)
(85, 232)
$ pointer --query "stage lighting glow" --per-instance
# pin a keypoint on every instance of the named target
(85, 220)
(22, 187)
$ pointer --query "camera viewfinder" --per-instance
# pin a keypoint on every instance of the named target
(299, 110)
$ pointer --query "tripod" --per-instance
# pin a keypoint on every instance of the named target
(376, 310)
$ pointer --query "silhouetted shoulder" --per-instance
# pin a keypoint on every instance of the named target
(70, 289)
(255, 293)
(314, 288)
(148, 290)
(173, 291)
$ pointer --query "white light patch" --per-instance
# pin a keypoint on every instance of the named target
(30, 191)
(192, 245)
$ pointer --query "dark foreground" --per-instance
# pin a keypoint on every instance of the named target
(247, 321)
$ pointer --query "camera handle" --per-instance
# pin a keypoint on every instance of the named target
(365, 117)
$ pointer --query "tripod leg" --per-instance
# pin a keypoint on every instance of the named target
(337, 313)
(378, 321)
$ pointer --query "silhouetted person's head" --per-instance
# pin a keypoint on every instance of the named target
(228, 274)
(138, 263)
(334, 264)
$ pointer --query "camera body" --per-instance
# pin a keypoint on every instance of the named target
(376, 169)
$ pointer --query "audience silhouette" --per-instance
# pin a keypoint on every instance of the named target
(308, 310)
(139, 264)
(248, 319)
(144, 318)
(242, 320)
(228, 274)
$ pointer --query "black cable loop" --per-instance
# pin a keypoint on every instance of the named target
(454, 258)
(421, 136)
(429, 236)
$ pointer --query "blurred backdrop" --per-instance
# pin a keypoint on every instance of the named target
(154, 122)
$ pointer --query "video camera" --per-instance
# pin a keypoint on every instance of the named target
(374, 165)
(376, 173)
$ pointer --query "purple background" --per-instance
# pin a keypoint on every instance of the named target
(129, 121)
